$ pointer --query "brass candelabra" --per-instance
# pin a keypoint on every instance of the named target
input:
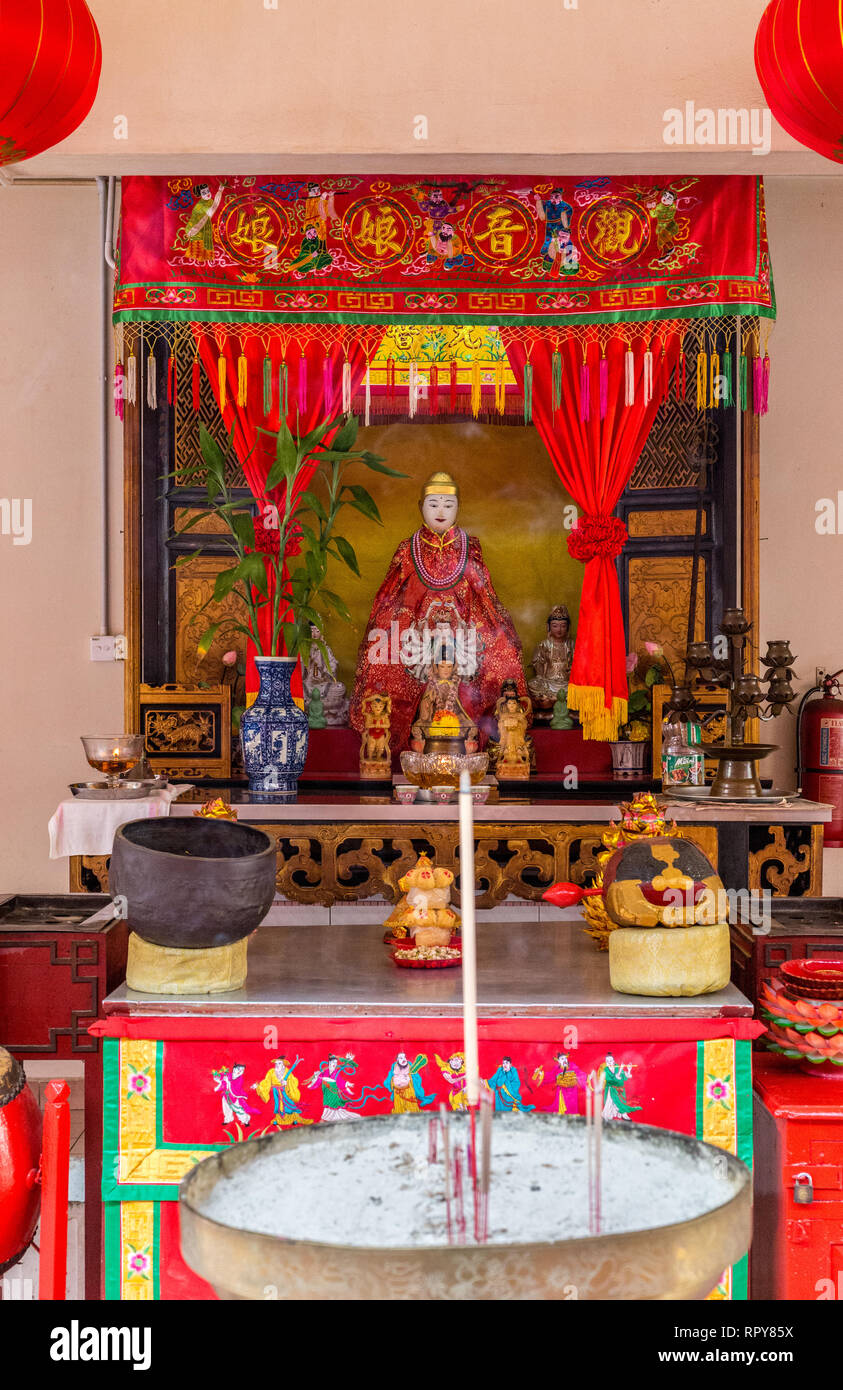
(737, 771)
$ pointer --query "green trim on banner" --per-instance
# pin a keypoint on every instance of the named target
(109, 1186)
(700, 1089)
(701, 311)
(112, 1251)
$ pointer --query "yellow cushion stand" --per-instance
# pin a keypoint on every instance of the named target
(167, 970)
(673, 961)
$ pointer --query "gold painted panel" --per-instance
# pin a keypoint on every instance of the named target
(194, 586)
(659, 594)
(665, 523)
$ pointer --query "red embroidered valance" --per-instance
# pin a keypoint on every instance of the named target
(368, 249)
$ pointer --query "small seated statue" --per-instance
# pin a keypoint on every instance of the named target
(424, 912)
(561, 717)
(552, 661)
(375, 752)
(512, 755)
(439, 700)
(320, 674)
(315, 710)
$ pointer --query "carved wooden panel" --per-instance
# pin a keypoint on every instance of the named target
(680, 436)
(786, 860)
(189, 468)
(187, 731)
(326, 864)
(659, 594)
(194, 586)
(678, 522)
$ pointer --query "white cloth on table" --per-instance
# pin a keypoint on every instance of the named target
(87, 827)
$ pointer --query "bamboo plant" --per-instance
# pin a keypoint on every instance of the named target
(281, 557)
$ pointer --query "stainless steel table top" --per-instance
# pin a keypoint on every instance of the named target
(339, 808)
(526, 969)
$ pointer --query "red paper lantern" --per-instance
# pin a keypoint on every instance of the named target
(50, 60)
(799, 61)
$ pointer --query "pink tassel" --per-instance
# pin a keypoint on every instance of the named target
(761, 384)
(302, 397)
(119, 406)
(604, 387)
(433, 389)
(585, 391)
(328, 386)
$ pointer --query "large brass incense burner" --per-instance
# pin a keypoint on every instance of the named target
(683, 1260)
(737, 772)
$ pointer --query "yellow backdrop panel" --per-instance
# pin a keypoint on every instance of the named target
(510, 498)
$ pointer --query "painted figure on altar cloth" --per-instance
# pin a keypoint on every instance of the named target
(454, 1073)
(281, 1084)
(404, 1085)
(567, 1080)
(318, 211)
(556, 213)
(663, 212)
(614, 1076)
(336, 1089)
(199, 229)
(552, 659)
(229, 1082)
(437, 593)
(506, 1086)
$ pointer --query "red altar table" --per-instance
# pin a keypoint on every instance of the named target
(797, 1249)
(184, 1077)
(59, 956)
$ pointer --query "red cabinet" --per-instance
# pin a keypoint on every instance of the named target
(797, 1246)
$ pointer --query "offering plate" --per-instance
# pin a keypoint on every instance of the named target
(126, 791)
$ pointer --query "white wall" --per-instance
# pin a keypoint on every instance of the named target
(50, 692)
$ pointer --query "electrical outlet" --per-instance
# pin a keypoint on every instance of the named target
(821, 675)
(102, 648)
(108, 648)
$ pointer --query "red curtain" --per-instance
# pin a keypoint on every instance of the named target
(313, 391)
(595, 439)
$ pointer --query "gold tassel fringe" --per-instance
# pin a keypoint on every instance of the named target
(597, 721)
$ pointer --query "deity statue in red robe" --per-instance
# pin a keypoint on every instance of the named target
(437, 602)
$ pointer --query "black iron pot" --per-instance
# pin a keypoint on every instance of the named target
(193, 882)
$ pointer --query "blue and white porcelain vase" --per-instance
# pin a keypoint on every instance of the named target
(274, 731)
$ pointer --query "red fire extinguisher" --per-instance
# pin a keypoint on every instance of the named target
(820, 744)
(20, 1153)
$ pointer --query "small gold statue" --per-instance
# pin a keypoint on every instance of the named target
(424, 912)
(511, 756)
(440, 710)
(375, 752)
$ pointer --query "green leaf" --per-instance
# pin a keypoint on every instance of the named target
(365, 503)
(639, 701)
(377, 465)
(185, 559)
(286, 459)
(252, 568)
(224, 583)
(205, 642)
(310, 502)
(344, 438)
(345, 550)
(653, 676)
(336, 603)
(243, 526)
(309, 441)
(214, 460)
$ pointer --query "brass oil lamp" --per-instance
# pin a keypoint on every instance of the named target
(737, 771)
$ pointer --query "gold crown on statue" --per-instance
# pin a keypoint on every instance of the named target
(440, 485)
